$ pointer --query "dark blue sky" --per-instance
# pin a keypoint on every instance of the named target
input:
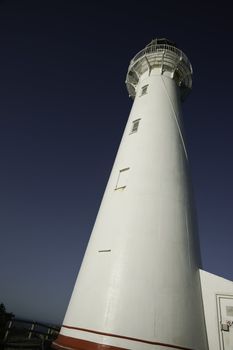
(63, 108)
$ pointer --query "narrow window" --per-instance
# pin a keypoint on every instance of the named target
(135, 125)
(144, 90)
(122, 179)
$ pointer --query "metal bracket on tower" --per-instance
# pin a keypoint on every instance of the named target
(136, 73)
(162, 62)
(148, 64)
(176, 66)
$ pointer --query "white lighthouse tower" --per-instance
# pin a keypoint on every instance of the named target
(139, 285)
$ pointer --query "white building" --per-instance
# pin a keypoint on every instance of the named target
(139, 286)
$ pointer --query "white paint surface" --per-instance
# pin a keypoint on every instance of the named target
(217, 295)
(148, 286)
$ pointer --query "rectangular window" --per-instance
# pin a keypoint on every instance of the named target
(135, 125)
(144, 90)
(122, 179)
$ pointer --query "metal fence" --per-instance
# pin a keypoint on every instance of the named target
(24, 334)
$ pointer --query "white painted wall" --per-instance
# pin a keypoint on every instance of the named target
(212, 287)
(147, 286)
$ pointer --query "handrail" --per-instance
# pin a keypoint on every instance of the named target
(30, 327)
(36, 323)
(157, 48)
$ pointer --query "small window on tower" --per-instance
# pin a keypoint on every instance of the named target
(144, 90)
(135, 125)
(122, 179)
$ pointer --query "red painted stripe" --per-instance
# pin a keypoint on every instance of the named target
(128, 338)
(68, 343)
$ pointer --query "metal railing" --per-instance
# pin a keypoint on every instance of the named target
(160, 48)
(167, 58)
(24, 334)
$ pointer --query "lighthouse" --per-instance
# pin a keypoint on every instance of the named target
(139, 285)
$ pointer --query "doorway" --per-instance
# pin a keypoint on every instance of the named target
(225, 317)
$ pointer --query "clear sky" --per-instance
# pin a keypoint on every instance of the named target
(63, 108)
